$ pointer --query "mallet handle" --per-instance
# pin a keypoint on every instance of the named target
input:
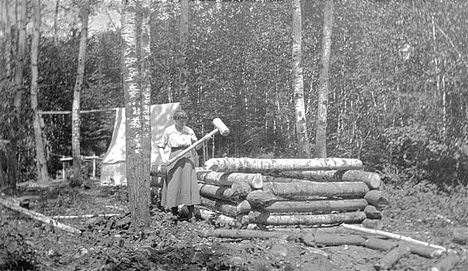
(191, 147)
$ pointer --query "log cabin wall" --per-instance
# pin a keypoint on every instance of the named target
(292, 192)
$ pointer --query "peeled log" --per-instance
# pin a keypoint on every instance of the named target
(372, 212)
(224, 192)
(380, 244)
(226, 207)
(226, 178)
(251, 165)
(391, 258)
(266, 218)
(341, 189)
(377, 198)
(332, 239)
(319, 206)
(245, 234)
(371, 179)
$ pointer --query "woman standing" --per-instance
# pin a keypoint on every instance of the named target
(180, 186)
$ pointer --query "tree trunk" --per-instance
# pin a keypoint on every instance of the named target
(19, 84)
(183, 43)
(297, 219)
(298, 81)
(317, 206)
(57, 5)
(317, 189)
(41, 163)
(135, 35)
(76, 118)
(321, 132)
(251, 165)
(7, 38)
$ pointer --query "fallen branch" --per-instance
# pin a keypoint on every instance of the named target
(37, 216)
(392, 236)
(82, 216)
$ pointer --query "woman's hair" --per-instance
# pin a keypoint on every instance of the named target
(180, 114)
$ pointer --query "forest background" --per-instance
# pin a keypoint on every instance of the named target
(398, 82)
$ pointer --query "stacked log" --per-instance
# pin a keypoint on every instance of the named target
(278, 192)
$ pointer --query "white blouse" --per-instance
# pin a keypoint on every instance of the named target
(177, 139)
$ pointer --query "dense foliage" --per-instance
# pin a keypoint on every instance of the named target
(398, 97)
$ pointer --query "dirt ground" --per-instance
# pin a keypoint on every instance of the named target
(106, 243)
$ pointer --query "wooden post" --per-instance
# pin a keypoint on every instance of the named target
(63, 168)
(94, 168)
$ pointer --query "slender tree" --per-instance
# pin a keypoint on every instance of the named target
(301, 122)
(18, 39)
(57, 5)
(183, 38)
(41, 162)
(321, 132)
(135, 35)
(76, 118)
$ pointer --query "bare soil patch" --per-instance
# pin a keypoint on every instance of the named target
(108, 243)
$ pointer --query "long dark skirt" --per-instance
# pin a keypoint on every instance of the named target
(180, 186)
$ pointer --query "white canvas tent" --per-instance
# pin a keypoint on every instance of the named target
(113, 165)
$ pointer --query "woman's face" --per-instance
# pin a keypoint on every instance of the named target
(180, 121)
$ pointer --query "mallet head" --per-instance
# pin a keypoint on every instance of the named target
(222, 128)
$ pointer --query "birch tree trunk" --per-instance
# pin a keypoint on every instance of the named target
(321, 132)
(301, 121)
(76, 118)
(43, 175)
(183, 69)
(57, 5)
(135, 35)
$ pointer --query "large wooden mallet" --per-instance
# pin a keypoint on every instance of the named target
(220, 127)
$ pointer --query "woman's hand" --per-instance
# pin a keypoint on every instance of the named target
(165, 160)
